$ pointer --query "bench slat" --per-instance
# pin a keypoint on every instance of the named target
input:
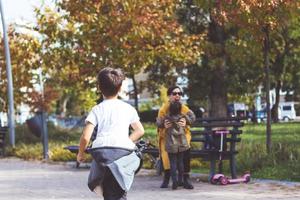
(214, 119)
(203, 132)
(233, 139)
(219, 124)
(194, 139)
(206, 154)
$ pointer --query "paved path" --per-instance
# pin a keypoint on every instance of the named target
(41, 181)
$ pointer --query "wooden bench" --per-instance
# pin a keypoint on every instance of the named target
(3, 132)
(203, 132)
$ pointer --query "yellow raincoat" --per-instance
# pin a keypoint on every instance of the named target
(163, 111)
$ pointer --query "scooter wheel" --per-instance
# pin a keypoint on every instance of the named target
(247, 179)
(223, 181)
(214, 181)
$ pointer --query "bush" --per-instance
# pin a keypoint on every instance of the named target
(29, 147)
(58, 153)
(23, 135)
(29, 151)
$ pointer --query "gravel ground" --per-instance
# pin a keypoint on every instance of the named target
(34, 180)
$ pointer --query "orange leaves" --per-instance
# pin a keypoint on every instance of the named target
(131, 34)
(255, 14)
(24, 50)
(42, 102)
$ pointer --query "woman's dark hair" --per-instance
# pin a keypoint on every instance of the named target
(110, 81)
(170, 89)
(175, 108)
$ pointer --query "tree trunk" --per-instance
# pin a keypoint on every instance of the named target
(274, 111)
(63, 106)
(218, 92)
(266, 50)
(278, 71)
(218, 96)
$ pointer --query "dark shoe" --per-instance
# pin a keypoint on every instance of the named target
(188, 186)
(180, 183)
(174, 186)
(186, 182)
(166, 180)
(164, 184)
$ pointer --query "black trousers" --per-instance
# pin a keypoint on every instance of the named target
(176, 163)
(111, 187)
(186, 161)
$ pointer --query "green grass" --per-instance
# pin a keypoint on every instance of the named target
(280, 132)
(283, 163)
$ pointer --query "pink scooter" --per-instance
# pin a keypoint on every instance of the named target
(221, 178)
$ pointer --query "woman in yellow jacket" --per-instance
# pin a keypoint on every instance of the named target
(174, 93)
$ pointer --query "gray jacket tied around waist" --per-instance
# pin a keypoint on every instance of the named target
(122, 163)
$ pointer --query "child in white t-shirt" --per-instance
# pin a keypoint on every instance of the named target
(112, 144)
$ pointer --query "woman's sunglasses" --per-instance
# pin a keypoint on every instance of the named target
(177, 93)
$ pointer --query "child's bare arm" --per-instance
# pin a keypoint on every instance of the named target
(138, 131)
(84, 140)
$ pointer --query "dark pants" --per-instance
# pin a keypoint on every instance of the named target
(111, 188)
(209, 141)
(176, 163)
(186, 161)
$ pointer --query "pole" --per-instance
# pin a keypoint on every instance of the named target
(10, 93)
(44, 121)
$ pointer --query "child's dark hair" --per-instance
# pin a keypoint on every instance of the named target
(175, 108)
(109, 81)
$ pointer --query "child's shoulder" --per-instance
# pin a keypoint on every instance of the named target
(117, 103)
(125, 104)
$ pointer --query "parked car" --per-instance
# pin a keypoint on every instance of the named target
(237, 110)
(286, 111)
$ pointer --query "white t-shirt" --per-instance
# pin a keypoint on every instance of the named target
(113, 118)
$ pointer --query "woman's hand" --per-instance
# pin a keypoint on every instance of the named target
(167, 124)
(182, 122)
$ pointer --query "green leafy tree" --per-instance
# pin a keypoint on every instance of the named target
(227, 66)
(284, 44)
(226, 22)
(261, 18)
(81, 37)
